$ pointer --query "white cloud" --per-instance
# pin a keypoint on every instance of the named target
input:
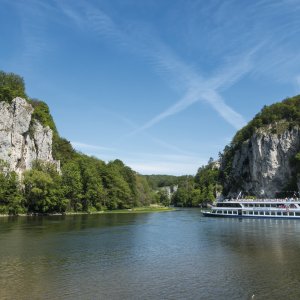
(148, 168)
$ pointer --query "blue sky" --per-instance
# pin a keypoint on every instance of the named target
(161, 85)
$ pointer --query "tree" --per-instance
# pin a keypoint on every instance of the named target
(11, 86)
(10, 193)
(164, 198)
(72, 185)
(43, 189)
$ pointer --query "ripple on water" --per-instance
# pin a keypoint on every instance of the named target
(171, 255)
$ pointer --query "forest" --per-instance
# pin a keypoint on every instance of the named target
(89, 184)
(84, 184)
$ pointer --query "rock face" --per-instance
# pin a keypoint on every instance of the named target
(23, 140)
(262, 165)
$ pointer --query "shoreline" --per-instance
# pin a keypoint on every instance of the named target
(135, 210)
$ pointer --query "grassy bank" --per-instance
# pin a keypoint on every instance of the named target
(136, 210)
(139, 210)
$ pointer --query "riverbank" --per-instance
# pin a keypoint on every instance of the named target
(136, 210)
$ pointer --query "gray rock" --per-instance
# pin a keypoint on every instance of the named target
(22, 140)
(262, 165)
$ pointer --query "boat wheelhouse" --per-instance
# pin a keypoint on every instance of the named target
(257, 208)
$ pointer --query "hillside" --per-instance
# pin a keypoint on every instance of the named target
(262, 159)
(40, 172)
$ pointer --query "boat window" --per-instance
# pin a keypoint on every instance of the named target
(291, 214)
(256, 212)
(261, 205)
(250, 212)
(246, 205)
(228, 205)
(298, 214)
(250, 205)
(267, 205)
(261, 213)
(219, 211)
(273, 205)
(235, 212)
(278, 213)
(273, 213)
(267, 213)
(256, 205)
(284, 213)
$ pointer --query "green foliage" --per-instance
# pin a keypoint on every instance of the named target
(145, 194)
(274, 119)
(120, 193)
(288, 110)
(11, 197)
(200, 190)
(164, 198)
(62, 150)
(158, 181)
(11, 86)
(93, 193)
(42, 114)
(72, 185)
(43, 190)
(85, 184)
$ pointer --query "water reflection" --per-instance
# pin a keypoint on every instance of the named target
(176, 255)
(263, 255)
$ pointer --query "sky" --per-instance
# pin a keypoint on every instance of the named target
(161, 85)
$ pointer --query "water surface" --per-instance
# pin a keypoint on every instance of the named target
(170, 255)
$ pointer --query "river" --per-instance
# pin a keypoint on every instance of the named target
(168, 255)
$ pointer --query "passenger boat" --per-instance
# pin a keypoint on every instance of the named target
(257, 208)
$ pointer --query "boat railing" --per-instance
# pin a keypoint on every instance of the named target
(263, 200)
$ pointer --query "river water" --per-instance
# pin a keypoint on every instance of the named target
(169, 255)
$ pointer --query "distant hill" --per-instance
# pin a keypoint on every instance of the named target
(158, 181)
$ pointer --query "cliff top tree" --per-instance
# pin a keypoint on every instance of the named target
(11, 86)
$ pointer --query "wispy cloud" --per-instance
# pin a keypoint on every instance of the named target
(83, 146)
(148, 168)
(148, 163)
(239, 60)
(34, 45)
(200, 90)
(168, 64)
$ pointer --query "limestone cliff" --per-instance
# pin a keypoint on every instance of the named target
(261, 166)
(23, 140)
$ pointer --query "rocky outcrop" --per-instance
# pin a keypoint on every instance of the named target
(262, 165)
(22, 139)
